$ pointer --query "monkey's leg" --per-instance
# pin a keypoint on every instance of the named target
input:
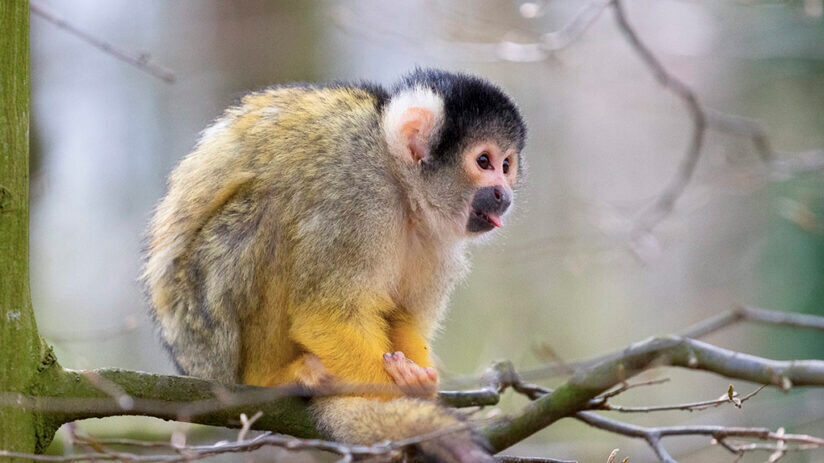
(349, 344)
(411, 364)
(307, 370)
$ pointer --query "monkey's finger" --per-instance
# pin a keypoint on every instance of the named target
(393, 368)
(422, 381)
(406, 368)
(405, 373)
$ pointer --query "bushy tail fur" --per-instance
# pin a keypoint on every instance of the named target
(443, 436)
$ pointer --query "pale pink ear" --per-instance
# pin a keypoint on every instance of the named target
(416, 131)
(410, 121)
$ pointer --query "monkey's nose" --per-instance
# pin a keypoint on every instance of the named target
(492, 199)
(502, 197)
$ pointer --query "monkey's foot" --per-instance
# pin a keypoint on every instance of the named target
(413, 379)
(310, 373)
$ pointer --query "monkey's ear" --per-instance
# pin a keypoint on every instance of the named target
(411, 120)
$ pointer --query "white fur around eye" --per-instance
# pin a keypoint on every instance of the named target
(397, 113)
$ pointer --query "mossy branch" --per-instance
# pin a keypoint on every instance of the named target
(67, 395)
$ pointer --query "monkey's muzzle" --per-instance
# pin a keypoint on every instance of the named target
(488, 206)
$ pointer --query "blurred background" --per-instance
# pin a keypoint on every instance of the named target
(566, 278)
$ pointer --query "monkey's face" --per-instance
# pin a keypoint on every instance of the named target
(458, 139)
(492, 174)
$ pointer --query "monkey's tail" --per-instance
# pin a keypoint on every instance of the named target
(445, 437)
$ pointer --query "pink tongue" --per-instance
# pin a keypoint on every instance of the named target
(495, 219)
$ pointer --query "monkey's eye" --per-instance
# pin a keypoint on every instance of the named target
(483, 161)
(506, 166)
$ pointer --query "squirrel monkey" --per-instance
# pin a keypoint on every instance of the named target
(317, 231)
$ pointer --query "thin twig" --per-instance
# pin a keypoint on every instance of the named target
(653, 435)
(129, 325)
(756, 315)
(627, 386)
(165, 445)
(692, 406)
(141, 62)
(110, 388)
(247, 424)
(514, 459)
(665, 203)
(575, 28)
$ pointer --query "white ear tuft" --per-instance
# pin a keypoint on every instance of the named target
(410, 120)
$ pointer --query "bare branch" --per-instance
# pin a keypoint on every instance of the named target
(699, 330)
(514, 459)
(575, 28)
(505, 376)
(246, 424)
(797, 163)
(141, 62)
(191, 453)
(496, 379)
(692, 406)
(742, 447)
(653, 435)
(503, 50)
(627, 386)
(752, 314)
(665, 203)
(130, 325)
(580, 389)
(739, 125)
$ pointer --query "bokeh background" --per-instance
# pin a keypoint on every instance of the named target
(563, 277)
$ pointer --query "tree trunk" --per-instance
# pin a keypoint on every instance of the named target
(21, 350)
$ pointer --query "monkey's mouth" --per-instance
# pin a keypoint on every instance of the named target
(480, 221)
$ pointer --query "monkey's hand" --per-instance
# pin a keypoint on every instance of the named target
(413, 379)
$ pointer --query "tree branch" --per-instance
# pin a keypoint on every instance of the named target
(68, 395)
(692, 406)
(665, 203)
(699, 330)
(575, 395)
(141, 61)
(752, 314)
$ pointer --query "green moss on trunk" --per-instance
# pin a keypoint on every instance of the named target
(20, 345)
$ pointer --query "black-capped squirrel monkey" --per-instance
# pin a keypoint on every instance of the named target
(322, 228)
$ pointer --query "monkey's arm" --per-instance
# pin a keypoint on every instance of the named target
(405, 336)
(410, 365)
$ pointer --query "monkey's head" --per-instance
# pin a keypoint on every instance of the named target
(459, 138)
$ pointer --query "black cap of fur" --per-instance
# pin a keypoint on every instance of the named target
(473, 108)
